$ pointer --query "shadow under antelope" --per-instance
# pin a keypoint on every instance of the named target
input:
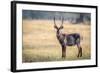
(67, 39)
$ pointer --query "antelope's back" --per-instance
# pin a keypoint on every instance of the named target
(73, 39)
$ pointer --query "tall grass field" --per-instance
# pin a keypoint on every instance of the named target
(40, 43)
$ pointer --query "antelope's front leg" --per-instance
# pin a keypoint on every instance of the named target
(63, 51)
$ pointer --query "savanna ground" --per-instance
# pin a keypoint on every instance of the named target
(40, 42)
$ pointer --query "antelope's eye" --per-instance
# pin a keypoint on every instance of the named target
(55, 27)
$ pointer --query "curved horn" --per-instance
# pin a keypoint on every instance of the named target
(55, 23)
(62, 20)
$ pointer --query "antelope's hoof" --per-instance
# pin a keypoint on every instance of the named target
(63, 57)
(77, 55)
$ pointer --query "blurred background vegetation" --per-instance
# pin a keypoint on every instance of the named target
(49, 15)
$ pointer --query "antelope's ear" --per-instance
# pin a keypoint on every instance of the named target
(55, 27)
(61, 27)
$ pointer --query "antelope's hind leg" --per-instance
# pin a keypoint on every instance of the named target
(79, 50)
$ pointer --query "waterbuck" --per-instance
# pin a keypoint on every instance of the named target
(67, 39)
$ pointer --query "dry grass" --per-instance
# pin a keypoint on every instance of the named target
(40, 42)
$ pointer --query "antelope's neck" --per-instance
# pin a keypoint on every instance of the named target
(59, 35)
